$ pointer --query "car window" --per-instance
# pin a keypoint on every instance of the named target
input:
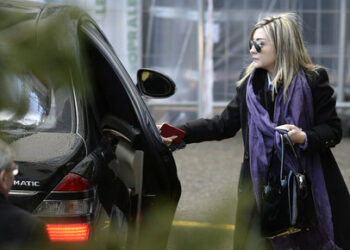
(46, 109)
(110, 90)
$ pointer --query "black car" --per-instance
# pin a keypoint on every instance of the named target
(86, 143)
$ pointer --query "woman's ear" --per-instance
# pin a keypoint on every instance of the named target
(3, 182)
(3, 176)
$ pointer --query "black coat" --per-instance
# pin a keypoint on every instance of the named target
(19, 229)
(325, 134)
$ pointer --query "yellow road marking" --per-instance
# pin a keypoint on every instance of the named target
(180, 223)
(106, 225)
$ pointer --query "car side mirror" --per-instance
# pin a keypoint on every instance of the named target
(155, 84)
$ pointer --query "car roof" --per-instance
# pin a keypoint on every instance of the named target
(34, 30)
(14, 12)
(21, 6)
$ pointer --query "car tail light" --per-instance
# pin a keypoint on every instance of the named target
(61, 203)
(68, 232)
(73, 182)
(59, 208)
(72, 198)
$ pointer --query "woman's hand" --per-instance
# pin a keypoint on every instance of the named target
(297, 135)
(167, 140)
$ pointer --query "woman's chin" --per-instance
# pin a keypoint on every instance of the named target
(256, 65)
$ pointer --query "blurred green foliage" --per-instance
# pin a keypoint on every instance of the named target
(45, 46)
(49, 49)
(152, 235)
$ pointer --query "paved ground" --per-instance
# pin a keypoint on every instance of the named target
(209, 174)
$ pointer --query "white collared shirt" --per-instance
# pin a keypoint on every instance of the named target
(270, 86)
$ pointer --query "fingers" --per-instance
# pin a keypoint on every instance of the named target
(169, 140)
(294, 128)
(166, 140)
(172, 137)
(297, 135)
(288, 127)
(283, 127)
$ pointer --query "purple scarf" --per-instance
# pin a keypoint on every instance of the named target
(297, 109)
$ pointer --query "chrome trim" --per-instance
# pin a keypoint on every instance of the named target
(76, 109)
(85, 199)
(118, 134)
(74, 192)
(84, 142)
(67, 216)
(24, 192)
(77, 119)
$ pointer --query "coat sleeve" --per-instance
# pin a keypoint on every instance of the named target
(326, 131)
(219, 127)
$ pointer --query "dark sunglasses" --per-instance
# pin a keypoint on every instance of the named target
(256, 46)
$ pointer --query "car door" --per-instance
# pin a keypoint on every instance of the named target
(143, 165)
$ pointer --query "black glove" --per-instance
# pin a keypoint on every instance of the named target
(106, 148)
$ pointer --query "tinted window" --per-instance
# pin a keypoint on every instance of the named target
(46, 109)
(109, 92)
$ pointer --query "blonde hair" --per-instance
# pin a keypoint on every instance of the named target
(282, 31)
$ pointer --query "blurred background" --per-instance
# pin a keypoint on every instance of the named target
(203, 45)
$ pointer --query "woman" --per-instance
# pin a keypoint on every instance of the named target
(282, 89)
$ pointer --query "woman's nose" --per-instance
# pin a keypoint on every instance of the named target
(252, 50)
